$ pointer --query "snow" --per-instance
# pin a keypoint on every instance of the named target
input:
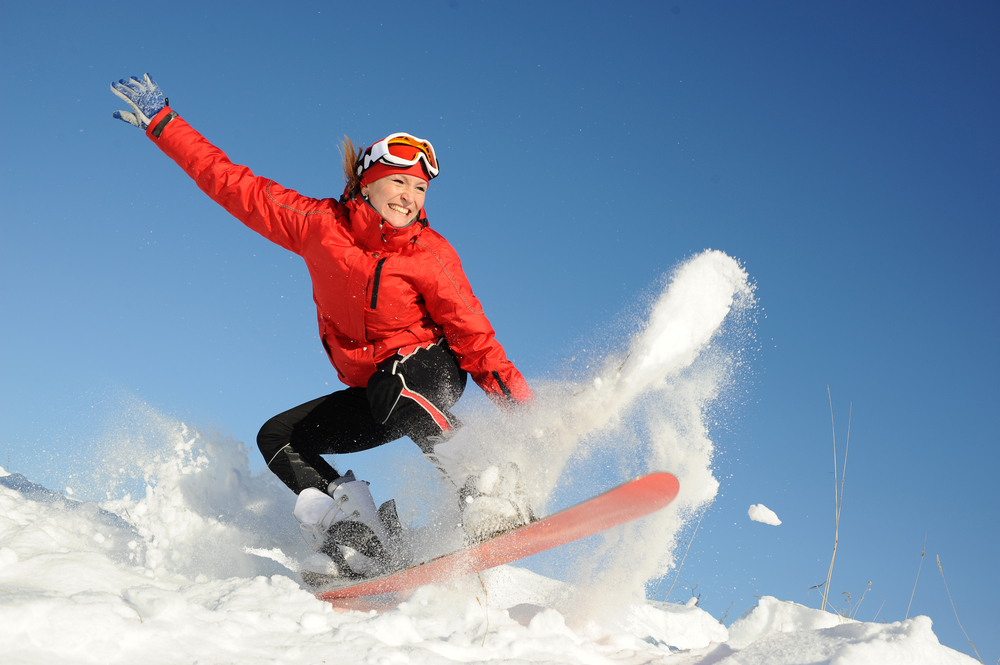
(67, 596)
(182, 555)
(760, 513)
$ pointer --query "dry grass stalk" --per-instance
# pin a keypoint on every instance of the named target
(486, 607)
(956, 611)
(838, 495)
(857, 607)
(681, 565)
(918, 578)
(875, 618)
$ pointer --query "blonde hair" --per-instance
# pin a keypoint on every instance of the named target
(351, 157)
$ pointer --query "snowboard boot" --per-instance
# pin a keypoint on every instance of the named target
(353, 540)
(494, 502)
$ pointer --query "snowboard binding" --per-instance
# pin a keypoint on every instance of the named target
(352, 539)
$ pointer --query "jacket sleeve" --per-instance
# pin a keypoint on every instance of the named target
(280, 215)
(451, 303)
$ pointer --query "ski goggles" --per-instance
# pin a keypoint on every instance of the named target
(402, 150)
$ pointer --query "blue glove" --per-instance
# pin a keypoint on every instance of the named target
(143, 96)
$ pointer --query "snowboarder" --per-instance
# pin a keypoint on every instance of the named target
(397, 318)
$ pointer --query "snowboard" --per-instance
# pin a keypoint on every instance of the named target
(634, 499)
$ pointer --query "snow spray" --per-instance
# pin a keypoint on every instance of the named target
(643, 409)
(193, 504)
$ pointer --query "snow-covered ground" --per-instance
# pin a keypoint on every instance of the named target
(179, 554)
(81, 584)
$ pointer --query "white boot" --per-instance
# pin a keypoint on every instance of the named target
(345, 526)
(494, 502)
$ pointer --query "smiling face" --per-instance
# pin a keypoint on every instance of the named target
(397, 197)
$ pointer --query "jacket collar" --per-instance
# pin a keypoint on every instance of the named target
(372, 233)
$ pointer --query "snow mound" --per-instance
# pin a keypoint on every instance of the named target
(771, 615)
(775, 631)
(679, 626)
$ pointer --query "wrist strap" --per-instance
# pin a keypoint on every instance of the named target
(163, 123)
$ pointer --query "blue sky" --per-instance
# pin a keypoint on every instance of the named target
(846, 154)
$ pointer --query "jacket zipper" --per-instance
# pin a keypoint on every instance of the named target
(503, 386)
(378, 275)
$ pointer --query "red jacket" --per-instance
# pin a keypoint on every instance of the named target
(377, 288)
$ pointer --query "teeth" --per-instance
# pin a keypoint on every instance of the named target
(399, 209)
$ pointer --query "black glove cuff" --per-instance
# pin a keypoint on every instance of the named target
(163, 123)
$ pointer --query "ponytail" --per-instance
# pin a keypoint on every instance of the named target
(351, 177)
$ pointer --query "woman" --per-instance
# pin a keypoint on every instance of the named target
(397, 318)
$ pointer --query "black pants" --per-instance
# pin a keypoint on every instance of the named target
(405, 397)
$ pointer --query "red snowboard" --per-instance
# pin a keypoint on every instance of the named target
(634, 499)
